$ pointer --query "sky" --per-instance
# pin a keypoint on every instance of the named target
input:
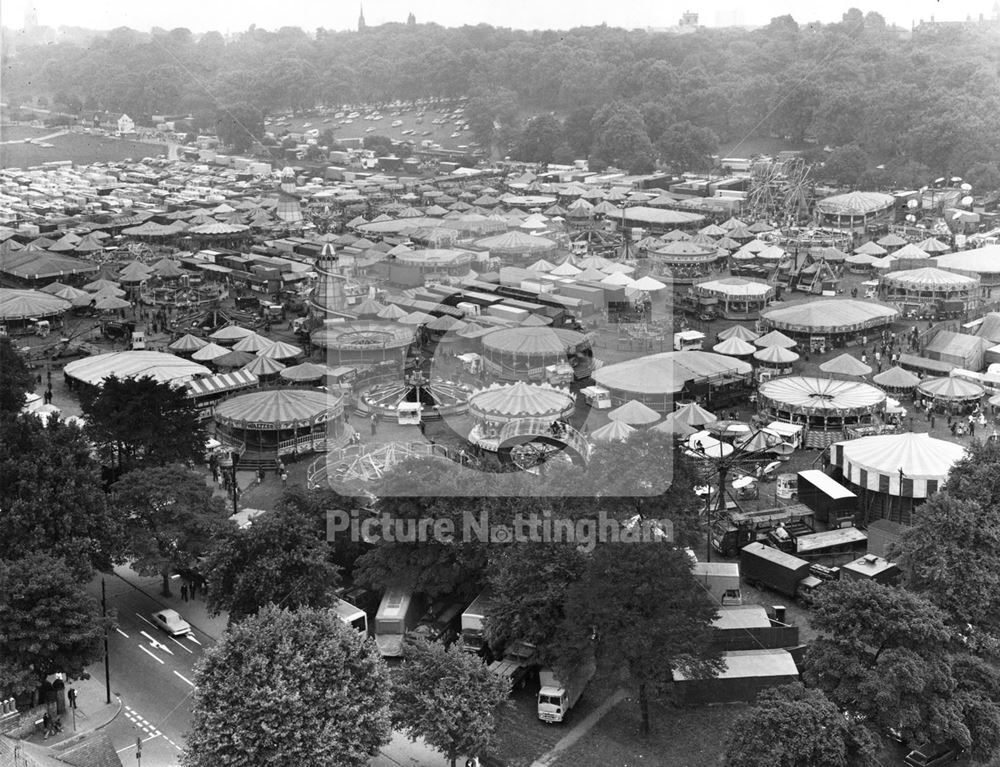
(234, 16)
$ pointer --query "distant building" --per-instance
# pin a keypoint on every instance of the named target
(411, 20)
(361, 20)
(126, 124)
(688, 19)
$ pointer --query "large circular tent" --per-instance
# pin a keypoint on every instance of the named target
(920, 289)
(824, 406)
(282, 420)
(834, 320)
(949, 394)
(165, 368)
(364, 342)
(516, 245)
(682, 261)
(30, 304)
(982, 261)
(523, 353)
(494, 407)
(894, 473)
(737, 298)
(855, 210)
(658, 380)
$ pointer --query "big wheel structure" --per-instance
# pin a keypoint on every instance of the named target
(528, 443)
(779, 191)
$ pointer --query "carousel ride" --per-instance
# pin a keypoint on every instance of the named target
(432, 393)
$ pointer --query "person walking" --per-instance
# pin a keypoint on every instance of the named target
(374, 423)
(284, 478)
(71, 696)
(184, 592)
(260, 475)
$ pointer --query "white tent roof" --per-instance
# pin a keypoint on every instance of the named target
(134, 364)
(875, 462)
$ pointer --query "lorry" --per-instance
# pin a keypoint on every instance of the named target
(807, 543)
(557, 697)
(735, 529)
(439, 624)
(831, 502)
(473, 640)
(779, 571)
(720, 580)
(516, 664)
(398, 612)
(351, 615)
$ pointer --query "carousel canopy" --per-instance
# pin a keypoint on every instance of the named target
(911, 251)
(897, 378)
(277, 409)
(870, 249)
(891, 240)
(855, 203)
(737, 331)
(845, 364)
(520, 400)
(614, 431)
(671, 425)
(648, 284)
(28, 304)
(516, 242)
(635, 413)
(776, 355)
(668, 372)
(209, 352)
(805, 394)
(930, 279)
(875, 463)
(736, 287)
(107, 303)
(233, 359)
(774, 338)
(734, 347)
(835, 315)
(368, 308)
(537, 341)
(307, 371)
(165, 368)
(950, 389)
(392, 312)
(252, 343)
(231, 333)
(280, 350)
(263, 366)
(692, 414)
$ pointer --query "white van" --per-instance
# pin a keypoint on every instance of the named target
(351, 615)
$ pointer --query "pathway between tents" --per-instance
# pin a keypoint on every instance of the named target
(580, 729)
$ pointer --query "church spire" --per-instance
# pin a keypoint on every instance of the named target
(361, 19)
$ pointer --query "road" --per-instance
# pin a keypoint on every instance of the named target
(153, 674)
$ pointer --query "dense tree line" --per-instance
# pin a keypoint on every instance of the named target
(917, 104)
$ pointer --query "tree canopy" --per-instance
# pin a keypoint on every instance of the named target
(141, 422)
(170, 517)
(924, 97)
(51, 496)
(282, 557)
(449, 698)
(792, 726)
(15, 378)
(48, 622)
(289, 687)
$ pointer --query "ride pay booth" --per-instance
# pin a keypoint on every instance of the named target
(409, 413)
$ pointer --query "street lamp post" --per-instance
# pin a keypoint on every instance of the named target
(107, 667)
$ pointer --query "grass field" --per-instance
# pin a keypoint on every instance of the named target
(81, 148)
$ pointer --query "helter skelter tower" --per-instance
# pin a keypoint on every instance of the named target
(330, 297)
(288, 209)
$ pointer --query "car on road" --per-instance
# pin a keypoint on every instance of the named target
(932, 755)
(171, 622)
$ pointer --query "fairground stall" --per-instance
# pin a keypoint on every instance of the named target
(736, 298)
(660, 380)
(830, 324)
(683, 261)
(950, 395)
(773, 361)
(930, 291)
(896, 380)
(825, 406)
(524, 353)
(893, 474)
(276, 422)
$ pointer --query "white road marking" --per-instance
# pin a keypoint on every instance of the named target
(144, 740)
(143, 617)
(182, 646)
(185, 679)
(158, 660)
(121, 632)
(156, 644)
(191, 637)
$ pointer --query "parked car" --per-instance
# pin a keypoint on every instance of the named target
(932, 755)
(171, 622)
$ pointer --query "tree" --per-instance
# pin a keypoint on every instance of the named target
(289, 687)
(620, 139)
(170, 517)
(48, 622)
(846, 165)
(647, 615)
(976, 475)
(239, 125)
(449, 698)
(541, 136)
(141, 422)
(791, 726)
(15, 378)
(950, 556)
(281, 558)
(686, 147)
(51, 496)
(984, 176)
(882, 657)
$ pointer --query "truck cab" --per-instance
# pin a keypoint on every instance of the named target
(597, 397)
(688, 340)
(556, 697)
